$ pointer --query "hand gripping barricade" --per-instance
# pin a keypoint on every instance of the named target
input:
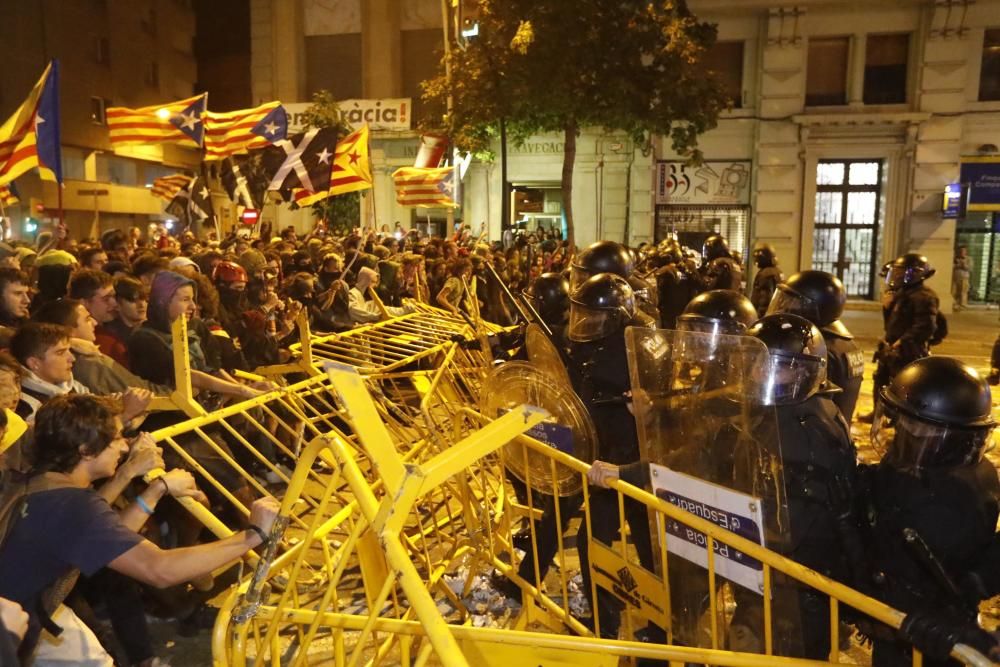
(713, 449)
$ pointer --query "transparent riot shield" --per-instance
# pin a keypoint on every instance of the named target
(713, 450)
(544, 356)
(570, 429)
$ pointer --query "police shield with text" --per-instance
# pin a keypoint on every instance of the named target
(931, 508)
(819, 297)
(710, 445)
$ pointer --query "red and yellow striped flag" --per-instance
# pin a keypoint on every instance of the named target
(167, 187)
(431, 187)
(30, 137)
(8, 196)
(238, 131)
(178, 122)
(352, 169)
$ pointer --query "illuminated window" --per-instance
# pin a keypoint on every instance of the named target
(826, 72)
(989, 75)
(725, 62)
(885, 69)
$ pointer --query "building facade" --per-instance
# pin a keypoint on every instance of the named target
(112, 53)
(849, 121)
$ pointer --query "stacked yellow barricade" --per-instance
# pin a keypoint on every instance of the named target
(399, 514)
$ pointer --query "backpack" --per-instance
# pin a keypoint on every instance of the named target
(940, 330)
(14, 494)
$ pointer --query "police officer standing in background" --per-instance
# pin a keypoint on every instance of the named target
(931, 508)
(819, 297)
(767, 278)
(718, 268)
(911, 320)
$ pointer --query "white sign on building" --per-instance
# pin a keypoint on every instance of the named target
(725, 183)
(384, 114)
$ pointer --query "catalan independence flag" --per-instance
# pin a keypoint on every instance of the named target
(180, 122)
(352, 169)
(425, 186)
(9, 195)
(30, 137)
(167, 187)
(238, 131)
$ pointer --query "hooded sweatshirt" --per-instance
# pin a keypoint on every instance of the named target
(150, 348)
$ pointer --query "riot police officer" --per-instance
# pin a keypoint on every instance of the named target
(676, 285)
(718, 311)
(600, 310)
(549, 295)
(719, 270)
(767, 278)
(931, 508)
(911, 319)
(818, 458)
(614, 258)
(819, 297)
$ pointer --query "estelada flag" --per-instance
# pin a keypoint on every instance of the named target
(352, 169)
(9, 195)
(236, 132)
(431, 187)
(167, 187)
(178, 122)
(30, 137)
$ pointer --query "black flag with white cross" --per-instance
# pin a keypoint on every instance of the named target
(193, 203)
(304, 160)
(236, 185)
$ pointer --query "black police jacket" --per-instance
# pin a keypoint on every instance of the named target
(599, 373)
(954, 511)
(845, 368)
(912, 317)
(764, 284)
(676, 288)
(819, 462)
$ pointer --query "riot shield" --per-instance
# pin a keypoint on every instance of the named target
(713, 450)
(570, 429)
(544, 355)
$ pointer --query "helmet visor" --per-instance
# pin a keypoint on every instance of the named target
(587, 324)
(789, 302)
(788, 379)
(577, 276)
(908, 443)
(901, 276)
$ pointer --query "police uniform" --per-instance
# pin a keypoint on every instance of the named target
(910, 321)
(846, 367)
(676, 288)
(764, 284)
(954, 511)
(722, 273)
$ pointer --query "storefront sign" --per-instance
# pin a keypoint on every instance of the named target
(386, 114)
(538, 148)
(982, 176)
(953, 205)
(726, 183)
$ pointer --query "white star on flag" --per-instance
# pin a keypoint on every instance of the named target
(324, 156)
(189, 121)
(203, 192)
(38, 120)
(271, 128)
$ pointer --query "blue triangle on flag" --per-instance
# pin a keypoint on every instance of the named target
(189, 120)
(47, 134)
(273, 126)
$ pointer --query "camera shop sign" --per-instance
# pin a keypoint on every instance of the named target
(384, 114)
(719, 182)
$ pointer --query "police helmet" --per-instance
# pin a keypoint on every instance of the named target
(229, 272)
(907, 270)
(715, 246)
(601, 257)
(549, 294)
(763, 254)
(936, 413)
(670, 251)
(817, 296)
(797, 361)
(719, 311)
(603, 305)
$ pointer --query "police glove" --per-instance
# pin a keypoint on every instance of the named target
(935, 633)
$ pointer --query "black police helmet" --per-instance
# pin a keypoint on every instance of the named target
(604, 257)
(798, 358)
(817, 296)
(763, 254)
(720, 310)
(715, 246)
(941, 390)
(549, 294)
(908, 270)
(603, 305)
